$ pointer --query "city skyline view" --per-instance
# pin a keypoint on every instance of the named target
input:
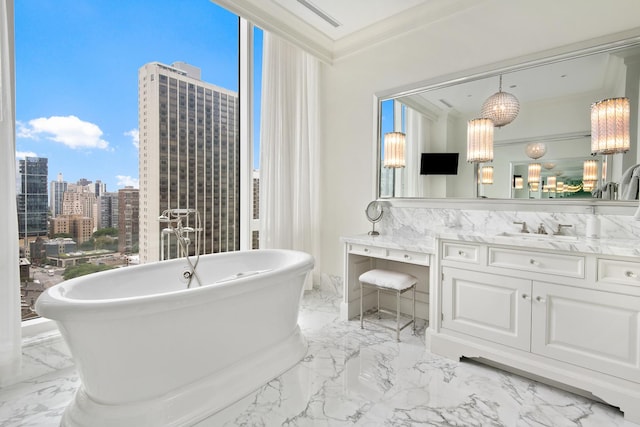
(76, 76)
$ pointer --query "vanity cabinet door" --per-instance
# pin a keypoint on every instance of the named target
(488, 306)
(593, 329)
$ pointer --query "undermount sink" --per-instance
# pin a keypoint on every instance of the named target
(534, 236)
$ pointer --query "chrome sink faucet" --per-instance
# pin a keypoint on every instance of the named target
(524, 228)
(541, 229)
(560, 227)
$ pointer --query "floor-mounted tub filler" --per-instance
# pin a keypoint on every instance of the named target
(152, 352)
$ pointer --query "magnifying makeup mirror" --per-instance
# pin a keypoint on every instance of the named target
(374, 214)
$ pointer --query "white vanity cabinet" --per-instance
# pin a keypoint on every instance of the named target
(571, 318)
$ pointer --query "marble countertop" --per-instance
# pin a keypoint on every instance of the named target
(427, 244)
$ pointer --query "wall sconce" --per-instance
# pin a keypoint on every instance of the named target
(534, 173)
(501, 107)
(551, 183)
(394, 143)
(590, 170)
(518, 182)
(534, 186)
(479, 140)
(486, 175)
(610, 126)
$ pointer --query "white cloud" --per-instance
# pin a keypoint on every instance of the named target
(23, 131)
(22, 154)
(135, 137)
(127, 181)
(69, 130)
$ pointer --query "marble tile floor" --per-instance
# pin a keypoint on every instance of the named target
(349, 377)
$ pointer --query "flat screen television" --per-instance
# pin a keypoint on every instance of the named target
(439, 163)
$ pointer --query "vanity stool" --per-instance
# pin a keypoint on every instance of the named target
(390, 282)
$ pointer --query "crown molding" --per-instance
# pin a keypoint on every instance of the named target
(400, 24)
(272, 17)
(278, 20)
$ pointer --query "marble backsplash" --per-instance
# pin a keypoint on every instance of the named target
(421, 221)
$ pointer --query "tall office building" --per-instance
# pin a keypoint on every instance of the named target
(32, 199)
(189, 156)
(99, 188)
(108, 210)
(128, 219)
(57, 189)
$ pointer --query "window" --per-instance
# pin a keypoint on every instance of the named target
(195, 128)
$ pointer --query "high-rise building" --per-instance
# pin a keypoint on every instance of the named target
(128, 219)
(99, 188)
(32, 199)
(108, 210)
(57, 189)
(78, 203)
(79, 227)
(189, 156)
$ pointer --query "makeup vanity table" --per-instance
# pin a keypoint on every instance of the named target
(362, 253)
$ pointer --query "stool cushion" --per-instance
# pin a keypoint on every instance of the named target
(388, 279)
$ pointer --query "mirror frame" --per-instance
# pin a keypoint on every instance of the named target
(605, 44)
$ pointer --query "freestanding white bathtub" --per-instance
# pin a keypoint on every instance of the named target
(151, 352)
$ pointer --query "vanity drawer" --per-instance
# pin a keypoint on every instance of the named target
(408, 256)
(460, 252)
(367, 250)
(618, 272)
(562, 265)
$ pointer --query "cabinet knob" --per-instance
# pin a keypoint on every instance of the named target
(407, 256)
(630, 274)
(540, 299)
(533, 262)
(366, 249)
(526, 297)
(461, 253)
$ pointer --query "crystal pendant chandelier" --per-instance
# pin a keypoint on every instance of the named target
(501, 107)
(535, 150)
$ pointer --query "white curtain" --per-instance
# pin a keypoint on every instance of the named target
(418, 130)
(288, 146)
(10, 321)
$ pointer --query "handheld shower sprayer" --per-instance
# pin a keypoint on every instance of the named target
(174, 218)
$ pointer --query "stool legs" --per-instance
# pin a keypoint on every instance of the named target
(398, 316)
(413, 313)
(398, 299)
(361, 314)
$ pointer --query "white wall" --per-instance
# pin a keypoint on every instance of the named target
(493, 31)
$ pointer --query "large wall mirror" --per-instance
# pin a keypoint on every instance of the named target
(555, 95)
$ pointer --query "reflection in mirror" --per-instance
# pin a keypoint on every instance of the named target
(555, 99)
(559, 179)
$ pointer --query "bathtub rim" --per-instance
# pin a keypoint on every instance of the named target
(52, 304)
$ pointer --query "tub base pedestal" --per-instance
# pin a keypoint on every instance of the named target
(195, 401)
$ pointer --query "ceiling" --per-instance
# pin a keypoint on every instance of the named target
(357, 24)
(349, 15)
(586, 74)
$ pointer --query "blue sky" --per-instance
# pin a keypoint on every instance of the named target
(77, 65)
